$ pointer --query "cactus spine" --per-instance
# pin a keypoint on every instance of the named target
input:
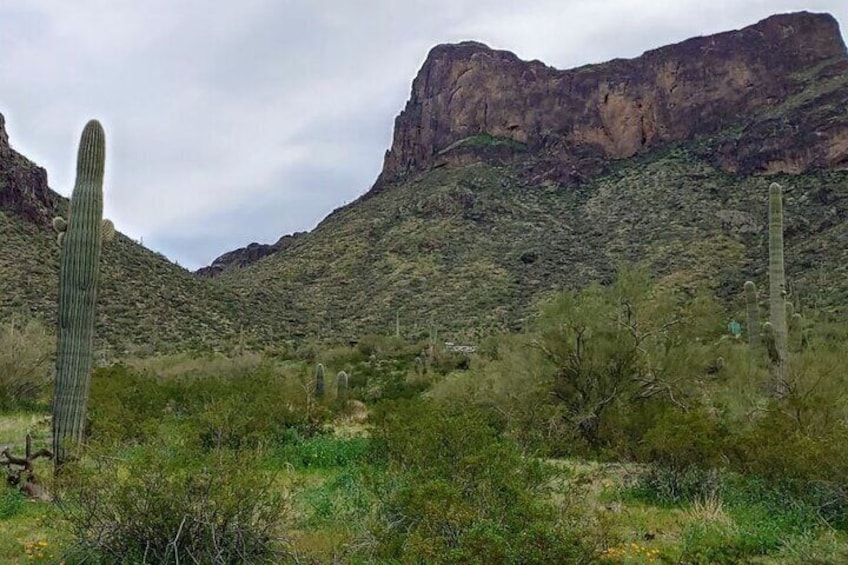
(341, 386)
(319, 381)
(78, 280)
(777, 290)
(753, 314)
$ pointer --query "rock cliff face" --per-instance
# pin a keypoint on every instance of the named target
(468, 95)
(23, 184)
(244, 256)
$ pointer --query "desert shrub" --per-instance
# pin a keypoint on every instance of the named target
(197, 364)
(511, 381)
(238, 412)
(380, 378)
(810, 465)
(665, 486)
(164, 503)
(340, 357)
(799, 442)
(125, 406)
(611, 348)
(456, 491)
(12, 503)
(26, 355)
(776, 449)
(320, 451)
(680, 440)
(384, 347)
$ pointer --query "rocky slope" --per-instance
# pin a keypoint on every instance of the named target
(24, 184)
(766, 99)
(507, 180)
(582, 118)
(146, 303)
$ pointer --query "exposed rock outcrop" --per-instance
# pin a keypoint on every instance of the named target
(244, 256)
(23, 184)
(468, 95)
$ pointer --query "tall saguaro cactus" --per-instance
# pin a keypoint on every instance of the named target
(753, 310)
(777, 289)
(78, 281)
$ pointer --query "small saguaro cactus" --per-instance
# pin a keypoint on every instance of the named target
(319, 381)
(777, 290)
(753, 310)
(81, 240)
(341, 386)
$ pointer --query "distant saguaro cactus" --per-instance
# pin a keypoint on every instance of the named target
(319, 381)
(78, 280)
(341, 386)
(777, 290)
(753, 310)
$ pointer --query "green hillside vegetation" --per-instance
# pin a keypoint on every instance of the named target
(146, 303)
(474, 248)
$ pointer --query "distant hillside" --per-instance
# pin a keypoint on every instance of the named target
(508, 179)
(473, 248)
(146, 303)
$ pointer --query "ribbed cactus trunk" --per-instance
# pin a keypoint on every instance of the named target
(78, 279)
(753, 314)
(341, 387)
(777, 291)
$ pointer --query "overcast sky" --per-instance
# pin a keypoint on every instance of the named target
(235, 121)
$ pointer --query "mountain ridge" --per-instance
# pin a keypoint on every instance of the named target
(476, 228)
(464, 108)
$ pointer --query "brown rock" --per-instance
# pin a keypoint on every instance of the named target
(23, 184)
(244, 256)
(579, 119)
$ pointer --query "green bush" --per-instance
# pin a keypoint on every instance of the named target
(611, 348)
(665, 486)
(320, 451)
(456, 491)
(343, 498)
(11, 503)
(682, 440)
(238, 412)
(163, 503)
(27, 352)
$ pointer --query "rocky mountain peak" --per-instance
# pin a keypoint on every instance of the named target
(468, 95)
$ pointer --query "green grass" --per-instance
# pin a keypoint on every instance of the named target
(26, 524)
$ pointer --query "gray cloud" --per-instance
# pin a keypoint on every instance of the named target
(232, 122)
